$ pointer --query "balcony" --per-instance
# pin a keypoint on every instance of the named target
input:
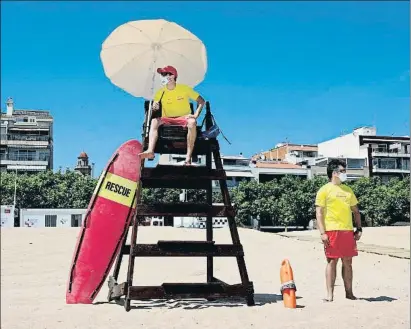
(399, 152)
(30, 140)
(24, 160)
(384, 165)
(391, 170)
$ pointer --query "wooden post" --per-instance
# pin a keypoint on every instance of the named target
(209, 196)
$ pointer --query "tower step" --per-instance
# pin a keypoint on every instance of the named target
(184, 249)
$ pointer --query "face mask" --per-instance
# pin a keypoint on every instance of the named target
(164, 80)
(342, 176)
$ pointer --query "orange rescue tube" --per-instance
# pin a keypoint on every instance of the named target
(288, 287)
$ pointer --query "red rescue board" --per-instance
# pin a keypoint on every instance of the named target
(105, 225)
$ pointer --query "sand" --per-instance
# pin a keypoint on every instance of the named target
(35, 266)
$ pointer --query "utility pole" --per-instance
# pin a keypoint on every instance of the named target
(15, 190)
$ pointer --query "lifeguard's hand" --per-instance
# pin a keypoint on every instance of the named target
(155, 106)
(191, 116)
(325, 239)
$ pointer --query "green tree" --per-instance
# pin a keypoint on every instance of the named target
(47, 189)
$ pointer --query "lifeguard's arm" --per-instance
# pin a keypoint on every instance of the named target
(357, 216)
(319, 214)
(200, 104)
(200, 101)
(156, 100)
(355, 210)
(319, 210)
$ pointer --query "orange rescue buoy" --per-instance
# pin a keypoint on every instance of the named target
(288, 287)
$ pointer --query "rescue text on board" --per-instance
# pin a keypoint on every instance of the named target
(116, 188)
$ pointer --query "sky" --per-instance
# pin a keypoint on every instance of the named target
(301, 72)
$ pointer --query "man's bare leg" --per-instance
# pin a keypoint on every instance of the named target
(347, 277)
(330, 276)
(152, 139)
(191, 138)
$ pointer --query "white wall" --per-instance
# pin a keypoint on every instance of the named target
(347, 145)
(37, 217)
(7, 216)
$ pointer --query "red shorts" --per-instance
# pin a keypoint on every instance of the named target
(342, 244)
(178, 121)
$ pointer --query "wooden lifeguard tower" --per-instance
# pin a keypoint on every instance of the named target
(172, 140)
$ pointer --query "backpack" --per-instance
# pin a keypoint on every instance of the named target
(213, 131)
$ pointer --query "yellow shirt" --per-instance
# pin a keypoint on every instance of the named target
(176, 102)
(337, 201)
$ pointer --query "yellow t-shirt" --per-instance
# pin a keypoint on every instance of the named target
(176, 102)
(337, 201)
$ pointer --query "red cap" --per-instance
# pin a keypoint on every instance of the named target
(168, 69)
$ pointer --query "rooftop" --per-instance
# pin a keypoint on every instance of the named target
(278, 165)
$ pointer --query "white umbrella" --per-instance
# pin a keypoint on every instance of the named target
(132, 53)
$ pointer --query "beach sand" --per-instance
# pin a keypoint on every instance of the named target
(35, 268)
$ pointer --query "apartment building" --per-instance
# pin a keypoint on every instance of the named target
(289, 153)
(265, 171)
(307, 160)
(26, 139)
(384, 156)
(388, 156)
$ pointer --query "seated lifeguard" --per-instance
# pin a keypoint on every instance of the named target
(176, 111)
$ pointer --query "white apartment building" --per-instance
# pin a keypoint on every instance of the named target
(26, 140)
(385, 156)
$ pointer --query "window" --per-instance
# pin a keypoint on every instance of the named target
(44, 155)
(229, 162)
(309, 154)
(3, 154)
(76, 220)
(355, 163)
(22, 155)
(382, 148)
(387, 164)
(51, 221)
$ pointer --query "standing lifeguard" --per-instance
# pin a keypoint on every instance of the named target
(335, 203)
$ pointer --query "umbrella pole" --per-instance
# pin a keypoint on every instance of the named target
(148, 121)
(150, 107)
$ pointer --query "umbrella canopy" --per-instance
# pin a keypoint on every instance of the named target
(132, 53)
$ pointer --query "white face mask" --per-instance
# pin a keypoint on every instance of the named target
(342, 176)
(164, 80)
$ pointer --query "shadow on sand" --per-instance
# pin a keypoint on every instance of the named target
(379, 299)
(195, 304)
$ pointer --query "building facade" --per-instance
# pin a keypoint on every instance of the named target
(388, 156)
(384, 156)
(289, 153)
(265, 171)
(26, 140)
